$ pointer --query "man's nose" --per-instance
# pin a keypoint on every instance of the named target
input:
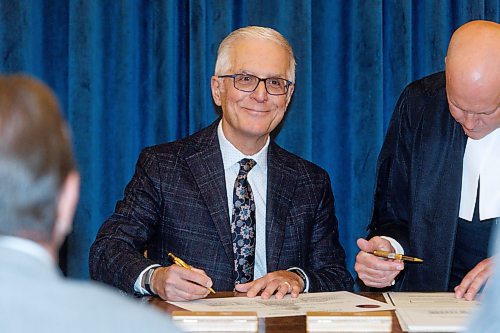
(260, 93)
(470, 120)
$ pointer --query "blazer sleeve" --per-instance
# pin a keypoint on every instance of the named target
(326, 268)
(391, 205)
(117, 254)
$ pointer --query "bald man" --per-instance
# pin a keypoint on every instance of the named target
(438, 185)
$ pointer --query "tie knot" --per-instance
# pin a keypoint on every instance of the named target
(246, 165)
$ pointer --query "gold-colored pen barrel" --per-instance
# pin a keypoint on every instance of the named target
(395, 256)
(178, 261)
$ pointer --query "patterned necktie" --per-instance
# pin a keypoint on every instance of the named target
(243, 224)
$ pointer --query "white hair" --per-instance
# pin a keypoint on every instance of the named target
(223, 64)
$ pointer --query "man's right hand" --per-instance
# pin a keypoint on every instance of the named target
(176, 283)
(375, 271)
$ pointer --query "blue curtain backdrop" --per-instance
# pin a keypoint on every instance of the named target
(135, 73)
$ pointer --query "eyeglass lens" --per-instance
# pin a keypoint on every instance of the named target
(248, 83)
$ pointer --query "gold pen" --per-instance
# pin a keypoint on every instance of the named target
(180, 262)
(395, 256)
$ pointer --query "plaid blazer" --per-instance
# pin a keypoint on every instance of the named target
(176, 202)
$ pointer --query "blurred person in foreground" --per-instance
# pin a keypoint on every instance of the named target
(39, 187)
(486, 318)
(438, 183)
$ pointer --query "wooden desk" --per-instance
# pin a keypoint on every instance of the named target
(295, 324)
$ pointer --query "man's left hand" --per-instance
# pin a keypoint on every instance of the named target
(279, 282)
(474, 280)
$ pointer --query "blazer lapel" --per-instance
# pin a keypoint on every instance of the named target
(208, 171)
(281, 183)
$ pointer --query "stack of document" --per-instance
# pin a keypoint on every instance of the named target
(375, 321)
(214, 321)
(430, 312)
(338, 301)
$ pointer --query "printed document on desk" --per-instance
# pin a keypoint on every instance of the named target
(340, 301)
(430, 312)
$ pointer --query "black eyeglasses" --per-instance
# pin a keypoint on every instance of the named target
(248, 83)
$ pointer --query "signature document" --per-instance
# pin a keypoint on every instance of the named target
(339, 301)
(430, 312)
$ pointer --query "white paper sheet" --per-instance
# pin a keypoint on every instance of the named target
(340, 301)
(430, 312)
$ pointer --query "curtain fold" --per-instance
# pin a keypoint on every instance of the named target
(130, 74)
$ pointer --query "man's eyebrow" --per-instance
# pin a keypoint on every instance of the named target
(242, 71)
(466, 111)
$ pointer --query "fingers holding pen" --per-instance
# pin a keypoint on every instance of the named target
(176, 283)
(375, 271)
(375, 243)
(379, 274)
(366, 259)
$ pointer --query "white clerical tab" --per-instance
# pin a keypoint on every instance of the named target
(481, 165)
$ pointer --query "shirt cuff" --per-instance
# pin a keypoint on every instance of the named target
(137, 285)
(397, 247)
(302, 275)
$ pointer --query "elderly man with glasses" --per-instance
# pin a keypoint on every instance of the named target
(245, 214)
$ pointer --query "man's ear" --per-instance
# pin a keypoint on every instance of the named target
(66, 206)
(216, 86)
(289, 94)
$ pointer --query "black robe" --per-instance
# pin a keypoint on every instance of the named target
(419, 179)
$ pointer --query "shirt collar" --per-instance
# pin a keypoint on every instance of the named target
(231, 155)
(26, 246)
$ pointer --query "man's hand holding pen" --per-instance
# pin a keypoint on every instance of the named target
(176, 283)
(376, 271)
